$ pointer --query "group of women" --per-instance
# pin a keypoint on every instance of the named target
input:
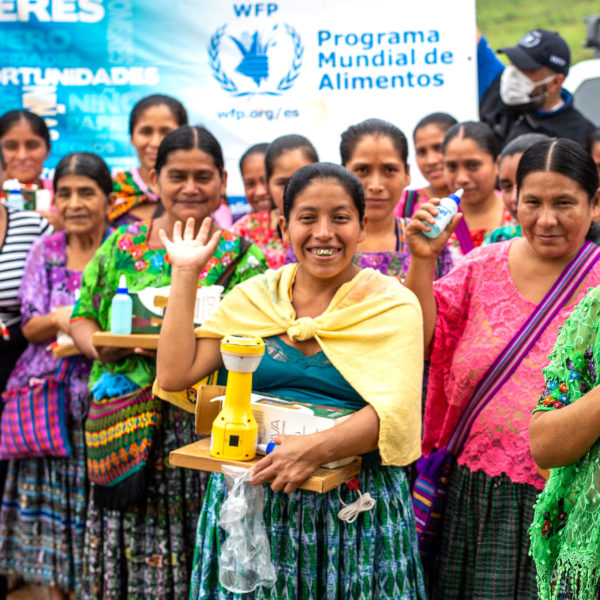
(354, 302)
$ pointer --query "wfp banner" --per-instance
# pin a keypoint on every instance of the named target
(248, 71)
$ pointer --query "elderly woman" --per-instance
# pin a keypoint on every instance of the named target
(140, 538)
(469, 317)
(44, 503)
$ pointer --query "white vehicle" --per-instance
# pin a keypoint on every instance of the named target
(583, 80)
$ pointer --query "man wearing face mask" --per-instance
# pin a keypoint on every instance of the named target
(527, 96)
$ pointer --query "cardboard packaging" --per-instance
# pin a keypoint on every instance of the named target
(149, 306)
(274, 415)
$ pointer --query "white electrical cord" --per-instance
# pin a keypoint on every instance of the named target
(351, 511)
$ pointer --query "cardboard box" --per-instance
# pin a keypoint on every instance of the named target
(149, 306)
(274, 415)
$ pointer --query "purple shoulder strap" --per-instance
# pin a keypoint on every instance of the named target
(464, 236)
(515, 351)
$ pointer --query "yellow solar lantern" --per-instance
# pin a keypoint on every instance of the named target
(234, 431)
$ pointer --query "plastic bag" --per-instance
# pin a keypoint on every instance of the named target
(245, 557)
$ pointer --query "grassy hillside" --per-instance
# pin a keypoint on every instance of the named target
(504, 21)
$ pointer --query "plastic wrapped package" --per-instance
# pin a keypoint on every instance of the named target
(245, 557)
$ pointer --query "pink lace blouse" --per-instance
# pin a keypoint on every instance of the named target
(479, 311)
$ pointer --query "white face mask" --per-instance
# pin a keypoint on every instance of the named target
(516, 87)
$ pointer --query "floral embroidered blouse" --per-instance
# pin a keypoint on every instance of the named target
(47, 283)
(127, 252)
(565, 533)
(480, 236)
(256, 227)
(396, 263)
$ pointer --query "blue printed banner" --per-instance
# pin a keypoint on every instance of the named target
(248, 71)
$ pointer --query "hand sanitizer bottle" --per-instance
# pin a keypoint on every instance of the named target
(447, 208)
(121, 310)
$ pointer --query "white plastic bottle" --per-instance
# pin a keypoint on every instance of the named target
(15, 198)
(121, 310)
(447, 208)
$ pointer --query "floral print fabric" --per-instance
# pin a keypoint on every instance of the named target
(396, 263)
(44, 503)
(127, 252)
(480, 236)
(130, 190)
(256, 227)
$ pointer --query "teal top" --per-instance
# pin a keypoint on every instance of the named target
(284, 371)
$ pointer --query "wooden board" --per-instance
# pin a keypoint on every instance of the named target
(148, 341)
(197, 456)
(65, 350)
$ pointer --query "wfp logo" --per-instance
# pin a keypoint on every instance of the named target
(258, 62)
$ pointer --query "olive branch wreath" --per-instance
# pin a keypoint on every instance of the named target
(213, 53)
(229, 86)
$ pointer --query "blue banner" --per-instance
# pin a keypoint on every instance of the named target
(248, 71)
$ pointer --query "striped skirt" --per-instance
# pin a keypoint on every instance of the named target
(145, 552)
(315, 554)
(42, 521)
(485, 545)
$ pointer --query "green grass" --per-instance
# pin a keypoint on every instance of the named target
(503, 22)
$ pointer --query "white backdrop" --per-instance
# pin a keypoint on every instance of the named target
(331, 64)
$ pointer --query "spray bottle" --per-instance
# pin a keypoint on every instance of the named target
(121, 309)
(235, 430)
(447, 208)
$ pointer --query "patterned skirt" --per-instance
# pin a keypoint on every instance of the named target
(145, 552)
(485, 545)
(315, 554)
(42, 521)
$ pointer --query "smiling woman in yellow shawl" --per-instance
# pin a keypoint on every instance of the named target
(335, 336)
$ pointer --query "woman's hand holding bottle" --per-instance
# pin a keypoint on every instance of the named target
(422, 247)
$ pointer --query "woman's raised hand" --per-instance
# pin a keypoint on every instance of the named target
(420, 245)
(190, 251)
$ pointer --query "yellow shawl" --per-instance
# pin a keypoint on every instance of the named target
(372, 332)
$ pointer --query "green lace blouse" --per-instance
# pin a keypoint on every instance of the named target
(565, 533)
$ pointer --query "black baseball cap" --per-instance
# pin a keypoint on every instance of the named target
(540, 48)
